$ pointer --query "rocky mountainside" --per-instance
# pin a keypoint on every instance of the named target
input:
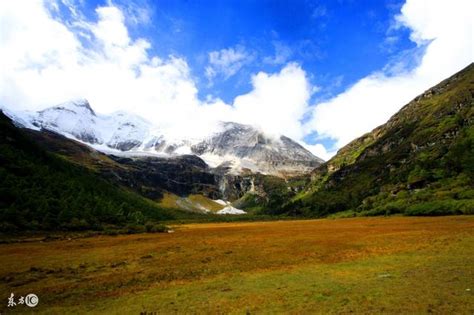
(420, 162)
(233, 148)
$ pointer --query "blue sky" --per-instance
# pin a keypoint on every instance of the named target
(336, 42)
(321, 72)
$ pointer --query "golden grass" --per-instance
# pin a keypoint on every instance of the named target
(362, 265)
(205, 202)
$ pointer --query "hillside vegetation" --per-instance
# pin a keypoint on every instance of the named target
(421, 162)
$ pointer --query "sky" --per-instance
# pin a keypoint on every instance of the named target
(320, 72)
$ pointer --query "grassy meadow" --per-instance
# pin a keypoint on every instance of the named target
(362, 265)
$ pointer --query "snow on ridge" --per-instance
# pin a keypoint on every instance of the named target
(21, 118)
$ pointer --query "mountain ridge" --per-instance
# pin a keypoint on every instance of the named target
(234, 147)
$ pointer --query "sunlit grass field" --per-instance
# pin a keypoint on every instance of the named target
(362, 265)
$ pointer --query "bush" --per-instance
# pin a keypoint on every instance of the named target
(155, 227)
(134, 229)
(159, 228)
(442, 207)
(6, 227)
(111, 232)
(77, 225)
(343, 215)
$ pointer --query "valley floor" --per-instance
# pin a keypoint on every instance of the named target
(362, 265)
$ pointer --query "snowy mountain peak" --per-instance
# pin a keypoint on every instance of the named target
(74, 119)
(80, 105)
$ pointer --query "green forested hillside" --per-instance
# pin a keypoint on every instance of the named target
(420, 162)
(40, 190)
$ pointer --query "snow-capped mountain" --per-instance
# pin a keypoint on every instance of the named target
(239, 146)
(232, 148)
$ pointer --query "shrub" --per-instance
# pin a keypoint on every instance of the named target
(155, 227)
(6, 227)
(78, 225)
(135, 228)
(442, 207)
(111, 232)
(343, 215)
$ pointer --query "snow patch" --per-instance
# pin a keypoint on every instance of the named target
(222, 202)
(183, 150)
(235, 163)
(231, 210)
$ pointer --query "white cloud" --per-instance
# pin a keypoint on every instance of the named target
(277, 102)
(319, 150)
(227, 62)
(443, 32)
(138, 12)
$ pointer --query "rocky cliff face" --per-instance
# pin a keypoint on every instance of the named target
(151, 176)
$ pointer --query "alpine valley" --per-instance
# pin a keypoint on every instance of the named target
(68, 167)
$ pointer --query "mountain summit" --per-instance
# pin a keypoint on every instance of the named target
(232, 148)
(241, 146)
